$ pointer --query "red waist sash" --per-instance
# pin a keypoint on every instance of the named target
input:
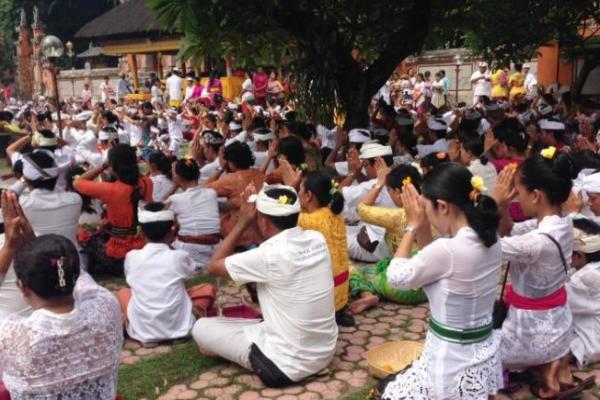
(556, 299)
(341, 278)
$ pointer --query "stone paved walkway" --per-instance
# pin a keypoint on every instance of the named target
(347, 378)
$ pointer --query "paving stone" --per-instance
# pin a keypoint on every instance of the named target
(249, 395)
(214, 392)
(293, 389)
(200, 384)
(130, 360)
(187, 394)
(271, 392)
(250, 380)
(229, 371)
(309, 396)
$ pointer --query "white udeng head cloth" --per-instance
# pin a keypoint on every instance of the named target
(275, 207)
(146, 217)
(591, 183)
(585, 242)
(33, 172)
(548, 125)
(358, 135)
(43, 141)
(373, 150)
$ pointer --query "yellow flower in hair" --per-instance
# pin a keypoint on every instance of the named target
(548, 152)
(283, 199)
(406, 181)
(478, 184)
(513, 166)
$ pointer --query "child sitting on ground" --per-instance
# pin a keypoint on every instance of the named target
(157, 306)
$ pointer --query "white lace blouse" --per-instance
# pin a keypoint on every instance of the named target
(458, 274)
(68, 356)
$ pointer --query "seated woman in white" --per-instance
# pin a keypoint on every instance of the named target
(197, 213)
(537, 331)
(459, 274)
(160, 173)
(71, 312)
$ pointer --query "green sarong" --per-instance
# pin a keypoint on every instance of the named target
(373, 279)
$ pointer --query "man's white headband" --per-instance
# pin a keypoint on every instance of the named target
(43, 141)
(280, 207)
(584, 242)
(33, 172)
(146, 217)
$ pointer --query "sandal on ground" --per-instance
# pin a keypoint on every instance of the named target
(536, 386)
(586, 383)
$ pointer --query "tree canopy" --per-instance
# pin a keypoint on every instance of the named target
(342, 51)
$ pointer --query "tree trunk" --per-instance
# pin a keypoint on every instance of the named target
(589, 63)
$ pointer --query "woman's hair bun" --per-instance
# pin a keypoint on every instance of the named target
(564, 166)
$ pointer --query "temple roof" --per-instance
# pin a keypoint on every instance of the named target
(131, 18)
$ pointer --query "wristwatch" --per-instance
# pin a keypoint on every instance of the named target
(409, 229)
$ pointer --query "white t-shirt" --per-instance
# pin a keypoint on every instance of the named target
(161, 187)
(197, 211)
(292, 271)
(160, 308)
(174, 85)
(54, 212)
(482, 87)
(134, 132)
(208, 170)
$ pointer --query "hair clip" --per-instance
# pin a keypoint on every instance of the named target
(58, 263)
(303, 166)
(478, 187)
(406, 181)
(334, 187)
(548, 152)
(513, 166)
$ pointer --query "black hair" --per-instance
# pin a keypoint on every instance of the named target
(432, 160)
(389, 160)
(41, 117)
(512, 133)
(239, 154)
(301, 130)
(18, 168)
(552, 176)
(398, 174)
(188, 169)
(518, 67)
(287, 222)
(322, 186)
(37, 263)
(586, 159)
(109, 116)
(162, 162)
(474, 145)
(86, 201)
(291, 147)
(409, 140)
(6, 116)
(43, 160)
(123, 161)
(156, 231)
(258, 122)
(440, 133)
(452, 183)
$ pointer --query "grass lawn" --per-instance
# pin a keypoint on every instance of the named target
(153, 376)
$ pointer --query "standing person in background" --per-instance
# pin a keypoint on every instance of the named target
(499, 84)
(213, 86)
(7, 92)
(517, 82)
(446, 82)
(482, 83)
(174, 88)
(260, 80)
(86, 95)
(530, 81)
(105, 90)
(438, 100)
(123, 88)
